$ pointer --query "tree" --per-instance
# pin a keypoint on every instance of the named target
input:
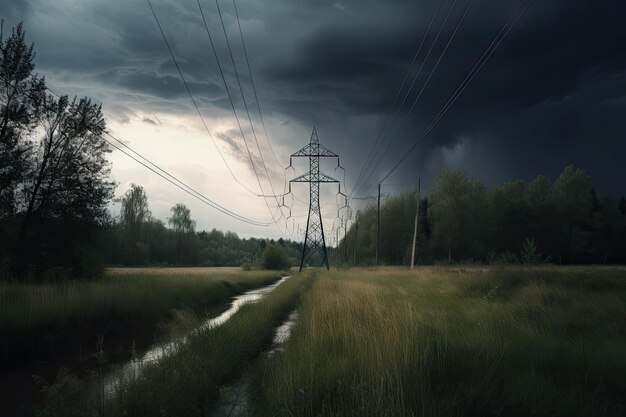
(54, 185)
(274, 257)
(71, 170)
(508, 214)
(610, 228)
(529, 254)
(574, 200)
(183, 226)
(450, 198)
(134, 213)
(542, 217)
(68, 182)
(21, 96)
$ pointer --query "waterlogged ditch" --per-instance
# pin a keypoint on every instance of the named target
(34, 385)
(183, 377)
(234, 399)
(131, 368)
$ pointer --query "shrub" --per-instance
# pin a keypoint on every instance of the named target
(529, 253)
(274, 257)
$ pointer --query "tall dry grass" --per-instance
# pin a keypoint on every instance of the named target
(454, 341)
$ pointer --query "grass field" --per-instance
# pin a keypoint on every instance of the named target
(38, 320)
(507, 341)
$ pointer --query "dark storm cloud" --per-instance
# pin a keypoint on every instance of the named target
(554, 89)
(151, 82)
(541, 101)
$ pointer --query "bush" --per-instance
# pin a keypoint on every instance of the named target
(529, 254)
(247, 264)
(274, 257)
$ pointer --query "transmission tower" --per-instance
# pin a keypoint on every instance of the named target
(314, 241)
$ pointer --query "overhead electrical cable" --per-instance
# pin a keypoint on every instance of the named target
(468, 79)
(193, 100)
(256, 98)
(245, 103)
(393, 137)
(202, 117)
(232, 104)
(395, 100)
(148, 164)
(232, 59)
(519, 11)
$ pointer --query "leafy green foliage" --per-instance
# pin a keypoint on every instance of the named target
(460, 220)
(53, 169)
(274, 257)
(529, 253)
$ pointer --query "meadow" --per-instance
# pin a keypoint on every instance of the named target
(434, 341)
(41, 321)
(446, 341)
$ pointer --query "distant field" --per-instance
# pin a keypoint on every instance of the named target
(454, 341)
(175, 270)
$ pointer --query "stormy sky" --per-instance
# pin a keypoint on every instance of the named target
(553, 93)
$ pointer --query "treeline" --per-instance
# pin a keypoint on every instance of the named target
(138, 239)
(565, 222)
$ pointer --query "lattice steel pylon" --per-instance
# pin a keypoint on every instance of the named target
(314, 241)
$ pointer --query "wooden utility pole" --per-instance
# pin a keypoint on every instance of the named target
(417, 213)
(345, 242)
(356, 236)
(337, 248)
(378, 226)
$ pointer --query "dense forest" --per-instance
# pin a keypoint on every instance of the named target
(564, 222)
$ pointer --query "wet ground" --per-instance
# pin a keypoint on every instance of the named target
(19, 393)
(234, 399)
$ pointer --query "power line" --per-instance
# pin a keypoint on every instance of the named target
(193, 100)
(380, 133)
(173, 179)
(470, 76)
(441, 56)
(256, 98)
(230, 51)
(232, 104)
(495, 43)
(202, 117)
(190, 190)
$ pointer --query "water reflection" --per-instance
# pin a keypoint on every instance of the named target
(158, 351)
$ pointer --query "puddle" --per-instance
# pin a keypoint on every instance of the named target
(282, 333)
(234, 400)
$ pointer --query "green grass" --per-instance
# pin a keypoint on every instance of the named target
(186, 382)
(40, 319)
(507, 341)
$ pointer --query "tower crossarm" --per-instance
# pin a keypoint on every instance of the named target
(311, 177)
(309, 151)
